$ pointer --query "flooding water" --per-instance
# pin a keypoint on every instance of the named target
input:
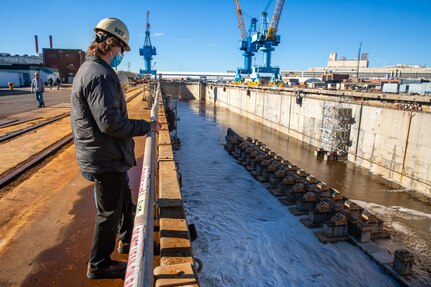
(406, 215)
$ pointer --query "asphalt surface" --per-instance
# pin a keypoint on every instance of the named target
(22, 100)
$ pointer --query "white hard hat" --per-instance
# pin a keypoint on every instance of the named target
(124, 81)
(115, 27)
(36, 74)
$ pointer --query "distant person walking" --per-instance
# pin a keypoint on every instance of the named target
(50, 83)
(58, 82)
(103, 132)
(38, 87)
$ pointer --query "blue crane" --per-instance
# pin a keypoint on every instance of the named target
(266, 39)
(148, 51)
(246, 44)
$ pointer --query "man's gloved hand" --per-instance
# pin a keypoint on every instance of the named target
(155, 126)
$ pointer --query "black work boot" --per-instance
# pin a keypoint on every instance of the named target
(117, 269)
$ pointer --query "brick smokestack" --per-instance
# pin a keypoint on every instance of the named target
(37, 44)
(50, 41)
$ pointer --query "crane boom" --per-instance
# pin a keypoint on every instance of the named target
(273, 26)
(241, 24)
(147, 33)
(148, 21)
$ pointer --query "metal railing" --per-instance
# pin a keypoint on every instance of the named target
(140, 265)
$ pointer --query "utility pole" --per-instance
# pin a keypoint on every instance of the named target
(359, 60)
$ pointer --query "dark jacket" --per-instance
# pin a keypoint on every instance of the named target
(101, 128)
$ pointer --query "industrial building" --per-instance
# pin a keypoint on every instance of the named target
(412, 88)
(22, 74)
(350, 67)
(8, 59)
(19, 69)
(66, 61)
(344, 63)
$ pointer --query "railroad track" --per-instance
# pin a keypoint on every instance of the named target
(36, 126)
(12, 174)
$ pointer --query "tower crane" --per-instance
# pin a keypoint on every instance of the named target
(266, 39)
(148, 51)
(246, 44)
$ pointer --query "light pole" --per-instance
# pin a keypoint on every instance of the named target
(359, 60)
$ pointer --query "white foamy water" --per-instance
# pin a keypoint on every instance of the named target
(246, 237)
(395, 218)
(406, 213)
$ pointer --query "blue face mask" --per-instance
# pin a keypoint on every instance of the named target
(114, 62)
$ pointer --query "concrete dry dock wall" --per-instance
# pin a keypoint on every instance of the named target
(187, 90)
(390, 142)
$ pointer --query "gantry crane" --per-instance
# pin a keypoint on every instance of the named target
(266, 39)
(148, 51)
(246, 45)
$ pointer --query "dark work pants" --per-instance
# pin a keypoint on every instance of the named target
(114, 213)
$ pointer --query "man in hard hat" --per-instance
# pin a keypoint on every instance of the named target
(38, 87)
(103, 135)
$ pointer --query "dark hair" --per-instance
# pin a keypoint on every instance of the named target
(99, 47)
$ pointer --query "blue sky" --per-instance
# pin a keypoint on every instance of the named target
(196, 35)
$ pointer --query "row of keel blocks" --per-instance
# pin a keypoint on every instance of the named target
(268, 169)
(325, 206)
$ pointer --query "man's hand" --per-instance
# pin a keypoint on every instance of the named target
(155, 126)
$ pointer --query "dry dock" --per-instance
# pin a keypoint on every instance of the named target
(48, 217)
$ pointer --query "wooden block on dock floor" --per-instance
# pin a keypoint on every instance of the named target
(385, 234)
(325, 239)
(307, 222)
(267, 185)
(276, 192)
(286, 202)
(297, 212)
(169, 189)
(249, 168)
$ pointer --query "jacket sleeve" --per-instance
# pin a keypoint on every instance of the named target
(103, 100)
(43, 86)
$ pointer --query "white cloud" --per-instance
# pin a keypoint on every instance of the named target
(157, 34)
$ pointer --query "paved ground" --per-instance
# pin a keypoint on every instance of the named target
(46, 220)
(22, 100)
